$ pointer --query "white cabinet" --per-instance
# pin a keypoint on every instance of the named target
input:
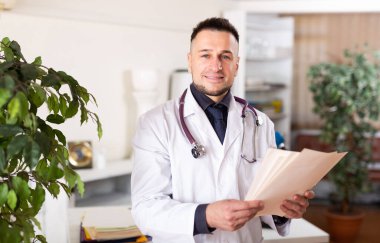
(106, 186)
(266, 64)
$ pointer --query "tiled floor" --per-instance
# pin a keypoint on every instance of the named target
(370, 230)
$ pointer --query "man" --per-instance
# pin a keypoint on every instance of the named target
(179, 198)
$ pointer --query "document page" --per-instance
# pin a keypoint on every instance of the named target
(285, 173)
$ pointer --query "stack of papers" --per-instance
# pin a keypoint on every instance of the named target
(114, 226)
(283, 174)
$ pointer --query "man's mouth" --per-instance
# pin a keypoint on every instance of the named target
(216, 77)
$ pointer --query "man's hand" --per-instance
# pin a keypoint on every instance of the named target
(231, 214)
(296, 207)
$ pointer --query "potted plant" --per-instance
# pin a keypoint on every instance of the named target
(33, 154)
(346, 97)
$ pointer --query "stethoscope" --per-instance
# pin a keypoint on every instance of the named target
(199, 150)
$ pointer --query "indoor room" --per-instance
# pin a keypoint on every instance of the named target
(80, 83)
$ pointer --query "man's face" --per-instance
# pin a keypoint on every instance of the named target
(213, 62)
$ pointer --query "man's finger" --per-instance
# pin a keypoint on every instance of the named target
(309, 194)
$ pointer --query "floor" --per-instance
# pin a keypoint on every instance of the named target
(370, 230)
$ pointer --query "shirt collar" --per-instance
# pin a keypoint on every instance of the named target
(204, 101)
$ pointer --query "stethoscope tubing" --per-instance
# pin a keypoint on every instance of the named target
(198, 149)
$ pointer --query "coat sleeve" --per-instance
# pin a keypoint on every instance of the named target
(154, 211)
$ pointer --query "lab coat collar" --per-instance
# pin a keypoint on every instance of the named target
(234, 122)
(191, 105)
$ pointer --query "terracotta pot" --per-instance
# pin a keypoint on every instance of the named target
(344, 228)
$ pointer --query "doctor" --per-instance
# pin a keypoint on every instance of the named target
(179, 196)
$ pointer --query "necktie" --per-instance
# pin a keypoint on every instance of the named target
(217, 121)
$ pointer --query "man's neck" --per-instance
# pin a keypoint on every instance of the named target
(204, 100)
(217, 99)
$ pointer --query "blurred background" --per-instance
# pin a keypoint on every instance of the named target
(131, 55)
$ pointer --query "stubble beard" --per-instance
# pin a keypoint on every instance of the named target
(207, 92)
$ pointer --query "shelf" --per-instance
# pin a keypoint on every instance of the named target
(260, 54)
(109, 199)
(112, 169)
(265, 87)
(276, 116)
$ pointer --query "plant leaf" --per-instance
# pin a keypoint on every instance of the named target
(41, 238)
(44, 142)
(18, 106)
(9, 130)
(24, 175)
(7, 82)
(5, 41)
(50, 80)
(54, 189)
(55, 118)
(38, 198)
(21, 187)
(53, 103)
(32, 153)
(3, 193)
(99, 126)
(28, 72)
(80, 186)
(62, 105)
(83, 114)
(16, 145)
(70, 177)
(42, 169)
(8, 53)
(12, 165)
(9, 235)
(37, 61)
(37, 95)
(73, 109)
(2, 160)
(54, 172)
(36, 223)
(12, 199)
(60, 136)
(16, 49)
(4, 96)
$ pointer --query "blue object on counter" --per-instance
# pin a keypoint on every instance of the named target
(280, 141)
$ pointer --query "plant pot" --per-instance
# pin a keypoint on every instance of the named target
(344, 228)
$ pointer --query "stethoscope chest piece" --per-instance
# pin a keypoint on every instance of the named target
(198, 151)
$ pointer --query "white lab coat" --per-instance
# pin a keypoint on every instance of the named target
(168, 183)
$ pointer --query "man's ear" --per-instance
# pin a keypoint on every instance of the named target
(237, 65)
(189, 62)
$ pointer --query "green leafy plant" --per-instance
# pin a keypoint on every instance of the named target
(33, 154)
(346, 97)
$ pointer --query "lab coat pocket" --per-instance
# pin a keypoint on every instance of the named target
(247, 172)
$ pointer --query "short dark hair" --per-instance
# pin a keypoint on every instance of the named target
(215, 23)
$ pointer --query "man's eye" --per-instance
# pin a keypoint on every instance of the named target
(205, 56)
(225, 57)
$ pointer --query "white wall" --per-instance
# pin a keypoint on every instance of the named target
(99, 42)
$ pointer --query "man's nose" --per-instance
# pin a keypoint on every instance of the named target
(216, 65)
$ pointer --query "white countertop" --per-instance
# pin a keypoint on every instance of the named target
(301, 231)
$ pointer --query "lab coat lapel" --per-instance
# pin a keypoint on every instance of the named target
(196, 118)
(234, 124)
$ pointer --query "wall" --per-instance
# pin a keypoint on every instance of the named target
(99, 43)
